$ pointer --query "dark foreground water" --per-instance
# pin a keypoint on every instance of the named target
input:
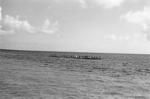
(59, 75)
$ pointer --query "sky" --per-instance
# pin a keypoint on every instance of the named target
(110, 26)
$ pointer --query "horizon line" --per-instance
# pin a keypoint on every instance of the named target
(29, 50)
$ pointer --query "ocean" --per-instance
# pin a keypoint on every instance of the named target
(72, 75)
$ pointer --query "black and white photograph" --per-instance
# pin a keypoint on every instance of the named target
(74, 49)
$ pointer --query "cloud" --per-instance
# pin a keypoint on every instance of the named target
(141, 18)
(0, 13)
(104, 3)
(109, 3)
(83, 3)
(49, 27)
(116, 37)
(14, 23)
(10, 24)
(132, 38)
